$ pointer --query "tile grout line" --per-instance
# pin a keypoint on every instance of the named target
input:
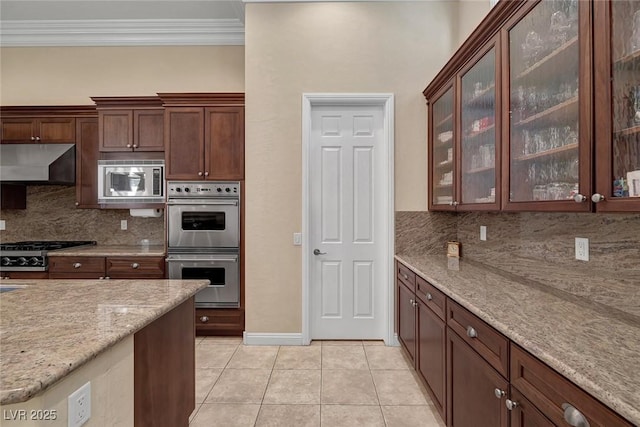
(374, 385)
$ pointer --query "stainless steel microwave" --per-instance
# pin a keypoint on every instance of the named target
(131, 181)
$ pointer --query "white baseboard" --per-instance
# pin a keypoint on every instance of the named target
(394, 341)
(268, 338)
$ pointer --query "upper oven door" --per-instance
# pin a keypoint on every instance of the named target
(215, 224)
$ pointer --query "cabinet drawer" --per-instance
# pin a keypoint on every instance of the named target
(549, 391)
(406, 276)
(431, 296)
(219, 321)
(135, 267)
(488, 342)
(76, 265)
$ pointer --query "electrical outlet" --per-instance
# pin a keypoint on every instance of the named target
(123, 224)
(2, 224)
(297, 239)
(582, 249)
(80, 406)
(483, 232)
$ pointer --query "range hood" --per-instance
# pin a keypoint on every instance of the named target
(38, 163)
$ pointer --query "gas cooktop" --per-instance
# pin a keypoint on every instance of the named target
(32, 255)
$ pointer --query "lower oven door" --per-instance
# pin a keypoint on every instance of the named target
(222, 271)
(192, 224)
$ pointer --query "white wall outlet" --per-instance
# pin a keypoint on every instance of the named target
(2, 224)
(483, 232)
(123, 224)
(297, 239)
(80, 406)
(582, 249)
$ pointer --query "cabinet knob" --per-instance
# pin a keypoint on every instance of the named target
(101, 278)
(33, 138)
(579, 198)
(128, 145)
(206, 174)
(107, 277)
(499, 393)
(135, 145)
(135, 265)
(77, 265)
(204, 319)
(455, 203)
(77, 203)
(511, 404)
(405, 276)
(37, 138)
(429, 296)
(471, 332)
(411, 301)
(199, 173)
(573, 417)
(597, 198)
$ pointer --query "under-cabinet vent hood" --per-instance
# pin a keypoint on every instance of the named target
(38, 163)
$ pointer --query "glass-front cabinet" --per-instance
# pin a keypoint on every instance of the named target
(617, 56)
(442, 151)
(480, 133)
(548, 103)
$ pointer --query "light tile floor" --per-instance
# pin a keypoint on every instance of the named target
(328, 384)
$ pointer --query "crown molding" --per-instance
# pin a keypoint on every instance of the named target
(122, 32)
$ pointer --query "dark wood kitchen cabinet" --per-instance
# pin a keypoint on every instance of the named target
(405, 299)
(40, 130)
(112, 267)
(204, 136)
(76, 267)
(129, 124)
(127, 267)
(87, 155)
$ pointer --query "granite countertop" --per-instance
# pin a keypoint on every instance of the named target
(595, 346)
(111, 250)
(51, 327)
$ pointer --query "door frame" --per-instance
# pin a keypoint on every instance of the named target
(386, 101)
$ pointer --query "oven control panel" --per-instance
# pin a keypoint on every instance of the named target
(199, 189)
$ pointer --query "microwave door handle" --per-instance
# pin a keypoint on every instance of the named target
(201, 260)
(201, 203)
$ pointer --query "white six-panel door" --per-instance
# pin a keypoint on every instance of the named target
(347, 202)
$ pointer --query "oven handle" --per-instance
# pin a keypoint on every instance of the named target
(170, 258)
(203, 202)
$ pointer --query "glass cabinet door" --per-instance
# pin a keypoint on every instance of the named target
(547, 79)
(618, 133)
(478, 132)
(442, 150)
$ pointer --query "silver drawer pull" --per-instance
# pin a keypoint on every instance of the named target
(573, 417)
(471, 333)
(429, 296)
(405, 276)
(77, 265)
(511, 404)
(499, 393)
(204, 319)
(135, 265)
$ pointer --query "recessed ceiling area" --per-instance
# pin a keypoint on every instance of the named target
(121, 23)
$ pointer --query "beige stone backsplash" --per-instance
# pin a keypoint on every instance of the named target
(51, 215)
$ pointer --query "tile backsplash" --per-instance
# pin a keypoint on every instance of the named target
(51, 215)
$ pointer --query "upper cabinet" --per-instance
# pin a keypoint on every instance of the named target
(544, 107)
(130, 123)
(204, 136)
(38, 130)
(617, 106)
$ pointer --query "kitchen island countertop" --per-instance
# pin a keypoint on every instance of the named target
(111, 250)
(49, 328)
(594, 345)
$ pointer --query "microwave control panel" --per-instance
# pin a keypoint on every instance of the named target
(198, 189)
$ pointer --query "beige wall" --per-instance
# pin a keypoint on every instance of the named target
(325, 47)
(71, 75)
(470, 13)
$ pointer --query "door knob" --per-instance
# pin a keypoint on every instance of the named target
(317, 252)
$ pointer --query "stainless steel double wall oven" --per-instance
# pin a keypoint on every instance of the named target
(203, 227)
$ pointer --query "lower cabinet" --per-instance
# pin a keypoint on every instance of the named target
(96, 267)
(219, 321)
(476, 376)
(24, 275)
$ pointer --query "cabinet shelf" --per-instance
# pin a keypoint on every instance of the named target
(445, 165)
(555, 60)
(547, 153)
(558, 114)
(626, 61)
(444, 121)
(442, 186)
(628, 131)
(486, 98)
(474, 136)
(480, 170)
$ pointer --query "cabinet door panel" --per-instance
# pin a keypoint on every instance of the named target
(407, 320)
(224, 143)
(549, 107)
(185, 143)
(57, 130)
(442, 152)
(471, 385)
(525, 414)
(148, 130)
(135, 267)
(431, 354)
(18, 130)
(116, 133)
(87, 163)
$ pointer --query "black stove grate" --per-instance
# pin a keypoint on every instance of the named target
(44, 245)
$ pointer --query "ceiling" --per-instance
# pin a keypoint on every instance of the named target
(121, 22)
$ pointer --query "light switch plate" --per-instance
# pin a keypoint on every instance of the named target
(297, 239)
(123, 224)
(483, 232)
(582, 249)
(2, 224)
